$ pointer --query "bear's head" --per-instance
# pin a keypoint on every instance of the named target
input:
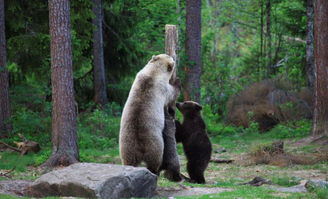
(189, 108)
(162, 65)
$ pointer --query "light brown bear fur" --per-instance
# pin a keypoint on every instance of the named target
(142, 121)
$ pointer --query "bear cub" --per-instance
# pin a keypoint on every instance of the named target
(196, 144)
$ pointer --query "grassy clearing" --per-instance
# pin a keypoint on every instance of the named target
(237, 143)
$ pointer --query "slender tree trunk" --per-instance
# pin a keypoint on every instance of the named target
(269, 40)
(193, 50)
(64, 137)
(4, 78)
(261, 38)
(320, 119)
(98, 56)
(309, 44)
(214, 7)
(171, 47)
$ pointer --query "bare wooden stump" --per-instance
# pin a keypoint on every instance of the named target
(171, 45)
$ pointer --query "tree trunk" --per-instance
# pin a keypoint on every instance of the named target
(268, 32)
(64, 137)
(320, 120)
(171, 46)
(309, 44)
(4, 78)
(98, 56)
(193, 50)
(262, 58)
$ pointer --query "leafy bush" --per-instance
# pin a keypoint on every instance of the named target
(322, 193)
(286, 181)
(10, 160)
(42, 156)
(294, 129)
(98, 129)
(213, 124)
(33, 125)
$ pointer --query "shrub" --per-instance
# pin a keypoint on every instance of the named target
(98, 129)
(286, 181)
(293, 129)
(32, 125)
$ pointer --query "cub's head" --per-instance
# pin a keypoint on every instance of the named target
(162, 65)
(189, 108)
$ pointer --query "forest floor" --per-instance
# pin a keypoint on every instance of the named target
(223, 180)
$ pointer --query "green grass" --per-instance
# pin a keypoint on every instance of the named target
(286, 181)
(321, 193)
(250, 192)
(101, 146)
(10, 160)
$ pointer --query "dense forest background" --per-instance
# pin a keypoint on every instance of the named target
(257, 67)
(242, 42)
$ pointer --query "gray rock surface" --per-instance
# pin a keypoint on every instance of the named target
(93, 180)
(314, 184)
(171, 192)
(14, 187)
(220, 150)
(294, 189)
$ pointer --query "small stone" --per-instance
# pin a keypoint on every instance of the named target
(220, 150)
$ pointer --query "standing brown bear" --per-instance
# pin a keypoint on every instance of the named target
(196, 144)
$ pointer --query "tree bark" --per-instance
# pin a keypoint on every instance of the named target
(268, 34)
(64, 138)
(320, 120)
(309, 44)
(4, 78)
(171, 46)
(261, 38)
(193, 50)
(98, 56)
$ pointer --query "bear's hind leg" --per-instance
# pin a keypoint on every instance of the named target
(130, 159)
(153, 163)
(196, 172)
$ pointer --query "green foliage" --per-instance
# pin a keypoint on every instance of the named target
(321, 193)
(98, 130)
(32, 112)
(100, 155)
(31, 125)
(285, 181)
(231, 46)
(12, 160)
(42, 156)
(294, 129)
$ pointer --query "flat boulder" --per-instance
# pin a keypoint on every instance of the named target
(91, 180)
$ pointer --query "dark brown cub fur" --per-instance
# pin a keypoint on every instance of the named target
(171, 163)
(196, 144)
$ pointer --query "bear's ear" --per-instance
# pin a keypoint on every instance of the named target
(170, 67)
(198, 107)
(154, 58)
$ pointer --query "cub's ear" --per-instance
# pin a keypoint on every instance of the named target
(154, 58)
(198, 107)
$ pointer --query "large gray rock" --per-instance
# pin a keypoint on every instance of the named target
(93, 180)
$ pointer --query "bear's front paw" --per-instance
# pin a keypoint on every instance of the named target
(177, 84)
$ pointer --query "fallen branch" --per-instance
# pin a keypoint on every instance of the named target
(257, 181)
(222, 161)
(11, 147)
(6, 173)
